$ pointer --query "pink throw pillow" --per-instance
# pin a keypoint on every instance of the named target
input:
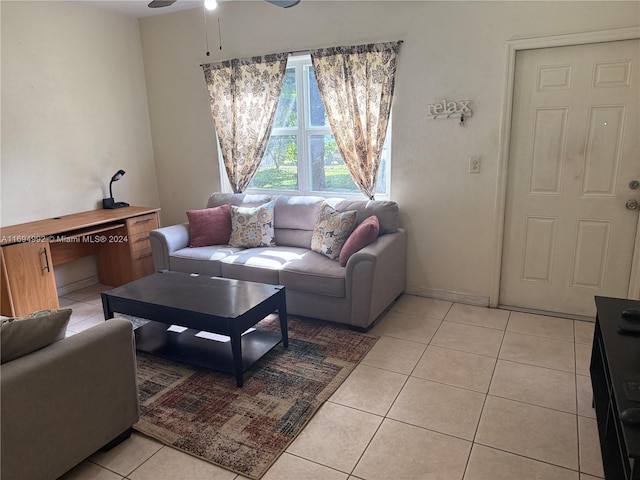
(363, 235)
(211, 226)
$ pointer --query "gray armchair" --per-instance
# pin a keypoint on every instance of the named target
(63, 402)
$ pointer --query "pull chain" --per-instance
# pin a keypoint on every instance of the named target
(206, 30)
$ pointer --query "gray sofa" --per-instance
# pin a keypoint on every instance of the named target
(316, 286)
(63, 402)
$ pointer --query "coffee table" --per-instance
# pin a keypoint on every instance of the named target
(210, 308)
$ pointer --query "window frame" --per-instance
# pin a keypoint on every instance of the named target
(301, 62)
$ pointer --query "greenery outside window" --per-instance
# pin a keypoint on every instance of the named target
(302, 156)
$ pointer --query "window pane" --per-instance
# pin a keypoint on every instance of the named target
(317, 115)
(328, 170)
(287, 112)
(319, 166)
(279, 167)
(381, 184)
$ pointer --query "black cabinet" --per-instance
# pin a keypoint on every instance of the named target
(615, 359)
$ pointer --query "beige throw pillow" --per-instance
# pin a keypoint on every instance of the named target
(331, 231)
(252, 227)
(22, 335)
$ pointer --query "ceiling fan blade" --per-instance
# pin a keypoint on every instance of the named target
(284, 3)
(161, 3)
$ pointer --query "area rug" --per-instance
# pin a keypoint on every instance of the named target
(245, 430)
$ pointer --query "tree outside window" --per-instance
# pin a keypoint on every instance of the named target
(302, 155)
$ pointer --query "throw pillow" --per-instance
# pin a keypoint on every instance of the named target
(23, 335)
(331, 231)
(252, 227)
(211, 226)
(363, 235)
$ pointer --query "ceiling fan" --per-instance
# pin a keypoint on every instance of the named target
(279, 3)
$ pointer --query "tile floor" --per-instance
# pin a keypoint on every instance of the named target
(449, 392)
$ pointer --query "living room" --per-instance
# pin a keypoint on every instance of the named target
(88, 91)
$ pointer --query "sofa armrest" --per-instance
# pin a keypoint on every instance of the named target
(165, 241)
(62, 403)
(376, 275)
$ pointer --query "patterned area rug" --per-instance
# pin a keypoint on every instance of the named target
(245, 430)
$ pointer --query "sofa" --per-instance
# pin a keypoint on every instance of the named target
(63, 402)
(316, 286)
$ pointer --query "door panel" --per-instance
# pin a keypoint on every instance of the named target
(574, 150)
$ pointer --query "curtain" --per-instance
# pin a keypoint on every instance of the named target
(356, 85)
(244, 96)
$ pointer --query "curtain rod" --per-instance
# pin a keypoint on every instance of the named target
(298, 52)
(295, 52)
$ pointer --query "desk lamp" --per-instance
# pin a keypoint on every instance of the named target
(108, 202)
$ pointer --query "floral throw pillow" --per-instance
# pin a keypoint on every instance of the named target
(252, 227)
(331, 231)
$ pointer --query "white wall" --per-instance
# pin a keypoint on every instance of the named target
(452, 50)
(74, 111)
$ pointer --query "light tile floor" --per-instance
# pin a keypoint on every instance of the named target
(449, 392)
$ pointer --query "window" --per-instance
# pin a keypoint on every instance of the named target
(302, 155)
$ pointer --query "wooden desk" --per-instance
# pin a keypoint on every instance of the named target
(28, 253)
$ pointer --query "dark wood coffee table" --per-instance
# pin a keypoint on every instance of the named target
(204, 305)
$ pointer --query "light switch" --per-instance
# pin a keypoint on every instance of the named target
(474, 164)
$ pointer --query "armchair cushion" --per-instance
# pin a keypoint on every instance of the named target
(23, 335)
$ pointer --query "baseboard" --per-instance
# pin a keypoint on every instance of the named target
(80, 284)
(535, 311)
(455, 297)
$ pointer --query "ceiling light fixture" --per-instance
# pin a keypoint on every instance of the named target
(210, 4)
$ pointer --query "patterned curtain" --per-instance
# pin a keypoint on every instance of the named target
(356, 84)
(244, 97)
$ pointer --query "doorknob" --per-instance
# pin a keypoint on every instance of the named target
(634, 184)
(632, 204)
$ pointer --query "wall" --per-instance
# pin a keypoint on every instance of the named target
(452, 50)
(74, 111)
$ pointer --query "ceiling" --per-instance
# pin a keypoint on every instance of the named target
(138, 8)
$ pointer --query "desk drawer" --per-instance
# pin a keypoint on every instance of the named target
(142, 223)
(142, 263)
(139, 241)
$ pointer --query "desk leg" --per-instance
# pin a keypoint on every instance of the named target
(105, 307)
(236, 350)
(282, 314)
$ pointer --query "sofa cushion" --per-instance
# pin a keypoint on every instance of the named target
(260, 264)
(238, 199)
(252, 227)
(297, 213)
(295, 219)
(331, 231)
(314, 273)
(210, 226)
(363, 235)
(203, 260)
(386, 211)
(23, 335)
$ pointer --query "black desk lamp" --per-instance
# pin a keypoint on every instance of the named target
(108, 202)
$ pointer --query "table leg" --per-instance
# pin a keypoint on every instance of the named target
(105, 307)
(236, 350)
(282, 314)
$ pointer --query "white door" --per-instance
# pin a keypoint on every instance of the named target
(569, 234)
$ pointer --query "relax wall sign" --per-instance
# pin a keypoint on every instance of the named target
(450, 109)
